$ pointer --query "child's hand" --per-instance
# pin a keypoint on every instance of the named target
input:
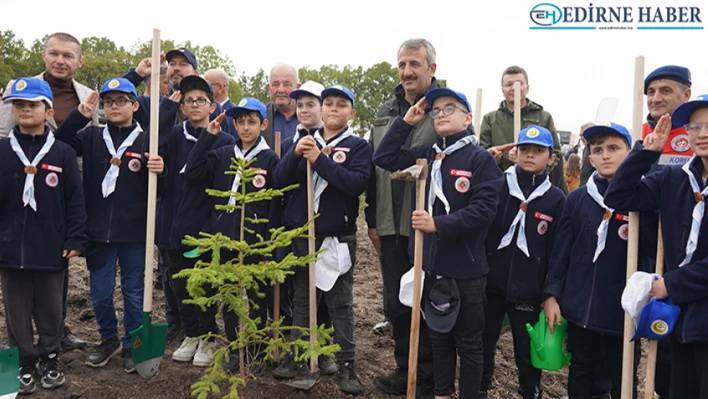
(513, 156)
(144, 68)
(155, 163)
(304, 144)
(375, 240)
(655, 141)
(658, 287)
(70, 253)
(416, 113)
(87, 108)
(422, 221)
(553, 313)
(311, 152)
(215, 125)
(176, 97)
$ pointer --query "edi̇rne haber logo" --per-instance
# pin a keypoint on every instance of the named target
(598, 17)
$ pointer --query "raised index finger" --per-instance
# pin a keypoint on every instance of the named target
(220, 118)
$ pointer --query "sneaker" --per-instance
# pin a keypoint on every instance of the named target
(185, 352)
(347, 379)
(27, 381)
(48, 367)
(395, 383)
(232, 365)
(173, 330)
(381, 328)
(289, 368)
(103, 352)
(203, 355)
(128, 363)
(327, 365)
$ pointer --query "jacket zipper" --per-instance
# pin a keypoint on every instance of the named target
(513, 252)
(592, 294)
(24, 221)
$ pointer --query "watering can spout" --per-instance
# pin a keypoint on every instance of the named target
(536, 341)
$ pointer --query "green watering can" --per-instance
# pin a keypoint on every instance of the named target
(549, 351)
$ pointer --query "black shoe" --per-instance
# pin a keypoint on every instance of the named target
(256, 368)
(128, 363)
(173, 330)
(482, 395)
(103, 352)
(347, 379)
(289, 368)
(27, 380)
(327, 365)
(232, 365)
(395, 383)
(71, 341)
(48, 367)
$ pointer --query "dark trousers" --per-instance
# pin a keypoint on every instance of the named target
(394, 264)
(689, 371)
(519, 314)
(340, 301)
(195, 321)
(65, 295)
(585, 345)
(28, 295)
(286, 293)
(464, 340)
(662, 376)
(171, 302)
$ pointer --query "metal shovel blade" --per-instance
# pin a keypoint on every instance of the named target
(305, 382)
(149, 341)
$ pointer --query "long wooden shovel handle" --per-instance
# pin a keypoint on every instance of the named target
(517, 110)
(276, 288)
(478, 113)
(654, 344)
(311, 250)
(152, 177)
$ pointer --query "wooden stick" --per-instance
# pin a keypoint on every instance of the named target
(313, 282)
(633, 239)
(417, 277)
(276, 288)
(478, 113)
(654, 344)
(517, 110)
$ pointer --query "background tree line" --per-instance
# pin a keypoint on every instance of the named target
(103, 59)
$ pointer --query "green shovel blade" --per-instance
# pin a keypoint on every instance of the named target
(9, 373)
(149, 341)
(194, 253)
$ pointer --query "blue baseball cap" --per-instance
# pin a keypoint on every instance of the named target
(338, 89)
(119, 85)
(608, 126)
(184, 52)
(657, 319)
(682, 114)
(29, 89)
(537, 135)
(434, 94)
(672, 72)
(250, 104)
(194, 82)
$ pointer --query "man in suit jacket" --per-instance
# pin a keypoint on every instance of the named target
(220, 83)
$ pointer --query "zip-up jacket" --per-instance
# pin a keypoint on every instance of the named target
(471, 181)
(512, 274)
(34, 240)
(670, 192)
(347, 170)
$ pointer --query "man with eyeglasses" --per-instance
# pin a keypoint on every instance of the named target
(282, 81)
(390, 223)
(498, 126)
(220, 83)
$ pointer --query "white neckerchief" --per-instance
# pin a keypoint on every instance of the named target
(320, 183)
(189, 137)
(30, 167)
(520, 219)
(436, 174)
(602, 230)
(262, 145)
(698, 211)
(299, 127)
(108, 186)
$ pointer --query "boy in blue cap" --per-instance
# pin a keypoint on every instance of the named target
(341, 165)
(210, 166)
(519, 246)
(37, 193)
(587, 271)
(679, 192)
(115, 175)
(462, 197)
(185, 207)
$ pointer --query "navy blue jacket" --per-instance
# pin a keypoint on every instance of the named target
(209, 166)
(184, 205)
(670, 192)
(339, 203)
(471, 182)
(121, 217)
(589, 293)
(35, 240)
(512, 274)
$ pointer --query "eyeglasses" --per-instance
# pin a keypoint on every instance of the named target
(695, 128)
(447, 110)
(201, 101)
(120, 101)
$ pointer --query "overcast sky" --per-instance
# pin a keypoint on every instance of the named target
(570, 71)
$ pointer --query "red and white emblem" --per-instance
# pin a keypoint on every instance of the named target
(462, 184)
(542, 228)
(259, 181)
(135, 165)
(680, 143)
(52, 180)
(339, 157)
(623, 231)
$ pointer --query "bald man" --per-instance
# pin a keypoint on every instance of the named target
(219, 81)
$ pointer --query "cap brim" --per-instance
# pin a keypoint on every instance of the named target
(173, 53)
(534, 142)
(34, 99)
(299, 92)
(682, 114)
(194, 82)
(441, 322)
(330, 91)
(434, 94)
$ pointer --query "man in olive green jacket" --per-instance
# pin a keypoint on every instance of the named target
(498, 126)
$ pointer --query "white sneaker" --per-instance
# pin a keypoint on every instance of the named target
(186, 350)
(203, 357)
